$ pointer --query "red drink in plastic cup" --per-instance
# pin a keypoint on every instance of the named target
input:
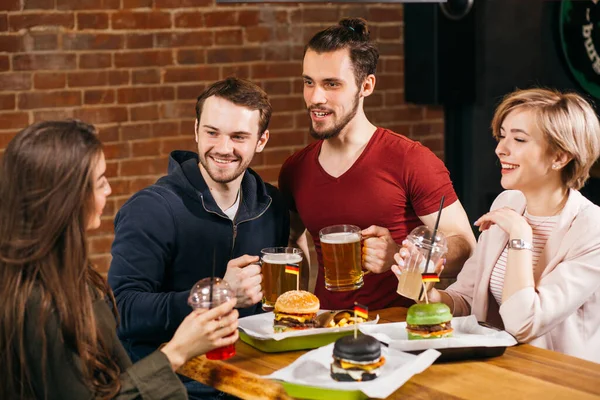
(222, 353)
(200, 297)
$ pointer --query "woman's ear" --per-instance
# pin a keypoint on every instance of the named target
(560, 160)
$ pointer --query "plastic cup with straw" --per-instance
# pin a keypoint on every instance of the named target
(429, 278)
(206, 294)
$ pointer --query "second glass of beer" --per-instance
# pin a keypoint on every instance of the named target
(342, 258)
(275, 280)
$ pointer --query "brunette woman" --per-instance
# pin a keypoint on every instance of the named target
(57, 320)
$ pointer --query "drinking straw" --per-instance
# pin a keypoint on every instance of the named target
(212, 277)
(435, 228)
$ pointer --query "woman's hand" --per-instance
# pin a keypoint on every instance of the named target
(511, 222)
(402, 257)
(408, 250)
(202, 331)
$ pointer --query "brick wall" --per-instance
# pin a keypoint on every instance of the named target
(134, 68)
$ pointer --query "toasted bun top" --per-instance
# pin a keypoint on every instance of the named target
(428, 314)
(297, 302)
(363, 348)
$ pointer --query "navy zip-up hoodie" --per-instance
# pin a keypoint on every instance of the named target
(166, 238)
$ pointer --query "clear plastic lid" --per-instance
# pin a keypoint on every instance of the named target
(200, 296)
(422, 237)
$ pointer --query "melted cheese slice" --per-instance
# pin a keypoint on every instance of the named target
(429, 334)
(300, 317)
(366, 367)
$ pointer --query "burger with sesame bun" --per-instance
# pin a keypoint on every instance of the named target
(428, 321)
(294, 310)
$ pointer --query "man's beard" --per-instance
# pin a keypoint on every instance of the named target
(337, 127)
(231, 176)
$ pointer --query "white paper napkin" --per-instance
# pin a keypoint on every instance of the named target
(313, 369)
(260, 326)
(467, 333)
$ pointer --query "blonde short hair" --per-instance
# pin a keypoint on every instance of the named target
(567, 121)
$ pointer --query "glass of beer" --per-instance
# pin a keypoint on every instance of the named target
(342, 257)
(420, 242)
(201, 297)
(275, 280)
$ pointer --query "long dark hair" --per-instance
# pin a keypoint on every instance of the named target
(46, 197)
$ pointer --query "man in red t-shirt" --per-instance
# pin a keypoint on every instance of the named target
(359, 174)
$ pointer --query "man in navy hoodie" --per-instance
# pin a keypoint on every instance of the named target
(210, 209)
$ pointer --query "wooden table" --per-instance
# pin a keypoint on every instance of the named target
(522, 372)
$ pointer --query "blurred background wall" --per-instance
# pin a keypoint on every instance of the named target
(467, 58)
(134, 68)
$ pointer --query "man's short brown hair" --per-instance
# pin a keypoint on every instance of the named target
(240, 92)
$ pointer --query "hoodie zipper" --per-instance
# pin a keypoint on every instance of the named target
(247, 220)
(233, 241)
(234, 225)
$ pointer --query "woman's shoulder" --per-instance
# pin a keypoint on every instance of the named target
(41, 321)
(34, 303)
(587, 216)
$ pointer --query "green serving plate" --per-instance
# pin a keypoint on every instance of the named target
(293, 343)
(317, 393)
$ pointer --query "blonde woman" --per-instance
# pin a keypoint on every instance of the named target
(536, 268)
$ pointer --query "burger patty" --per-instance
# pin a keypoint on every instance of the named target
(309, 323)
(430, 328)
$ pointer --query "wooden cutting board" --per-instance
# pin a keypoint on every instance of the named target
(233, 380)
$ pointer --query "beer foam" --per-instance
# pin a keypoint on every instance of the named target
(341, 238)
(282, 258)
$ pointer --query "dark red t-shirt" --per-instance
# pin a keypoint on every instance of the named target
(393, 181)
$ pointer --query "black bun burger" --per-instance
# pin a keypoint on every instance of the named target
(356, 360)
(428, 321)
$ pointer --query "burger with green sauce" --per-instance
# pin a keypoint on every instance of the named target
(428, 321)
